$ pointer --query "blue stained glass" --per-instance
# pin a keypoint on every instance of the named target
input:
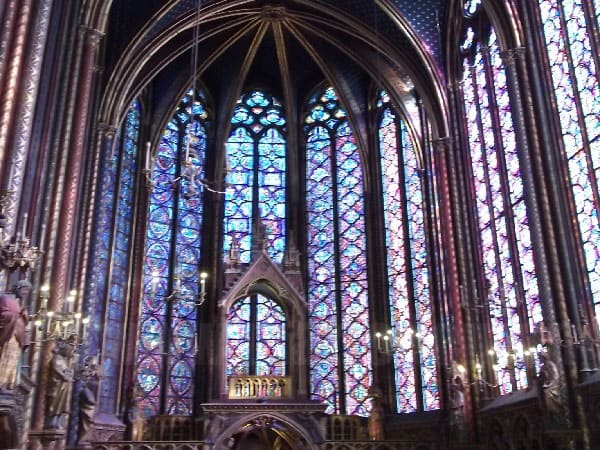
(263, 318)
(148, 374)
(330, 139)
(107, 290)
(173, 244)
(256, 153)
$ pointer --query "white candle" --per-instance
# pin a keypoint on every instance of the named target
(203, 283)
(42, 238)
(77, 319)
(85, 321)
(24, 225)
(11, 174)
(49, 315)
(148, 157)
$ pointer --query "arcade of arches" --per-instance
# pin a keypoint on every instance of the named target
(292, 224)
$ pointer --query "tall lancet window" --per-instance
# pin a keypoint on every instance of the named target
(256, 175)
(340, 362)
(408, 271)
(256, 337)
(167, 343)
(509, 285)
(573, 58)
(108, 289)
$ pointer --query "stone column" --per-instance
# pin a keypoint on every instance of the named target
(552, 294)
(21, 53)
(64, 213)
(15, 45)
(448, 192)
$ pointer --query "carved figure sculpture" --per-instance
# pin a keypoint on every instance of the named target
(376, 419)
(137, 422)
(13, 332)
(60, 378)
(87, 397)
(550, 383)
(457, 407)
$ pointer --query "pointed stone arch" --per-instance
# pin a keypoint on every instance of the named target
(265, 277)
(302, 436)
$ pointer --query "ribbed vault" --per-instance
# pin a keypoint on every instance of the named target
(289, 46)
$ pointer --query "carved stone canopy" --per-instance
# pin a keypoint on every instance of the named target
(264, 276)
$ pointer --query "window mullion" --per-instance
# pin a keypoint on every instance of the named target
(493, 230)
(575, 89)
(409, 268)
(515, 259)
(338, 287)
(167, 357)
(252, 364)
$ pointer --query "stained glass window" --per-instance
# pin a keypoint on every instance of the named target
(409, 296)
(256, 337)
(510, 282)
(340, 361)
(568, 28)
(167, 341)
(107, 291)
(112, 349)
(256, 175)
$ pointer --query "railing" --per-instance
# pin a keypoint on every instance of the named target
(148, 445)
(374, 445)
(345, 428)
(259, 387)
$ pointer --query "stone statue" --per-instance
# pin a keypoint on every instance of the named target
(60, 378)
(87, 396)
(135, 415)
(457, 407)
(14, 336)
(233, 258)
(259, 241)
(457, 394)
(549, 380)
(291, 260)
(376, 416)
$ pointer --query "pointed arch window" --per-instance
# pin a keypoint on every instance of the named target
(340, 362)
(509, 281)
(409, 295)
(166, 348)
(107, 292)
(256, 178)
(256, 337)
(572, 57)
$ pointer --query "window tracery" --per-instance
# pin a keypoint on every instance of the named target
(166, 349)
(509, 286)
(256, 337)
(108, 287)
(340, 363)
(415, 361)
(256, 179)
(568, 29)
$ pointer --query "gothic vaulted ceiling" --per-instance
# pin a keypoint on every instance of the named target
(288, 46)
